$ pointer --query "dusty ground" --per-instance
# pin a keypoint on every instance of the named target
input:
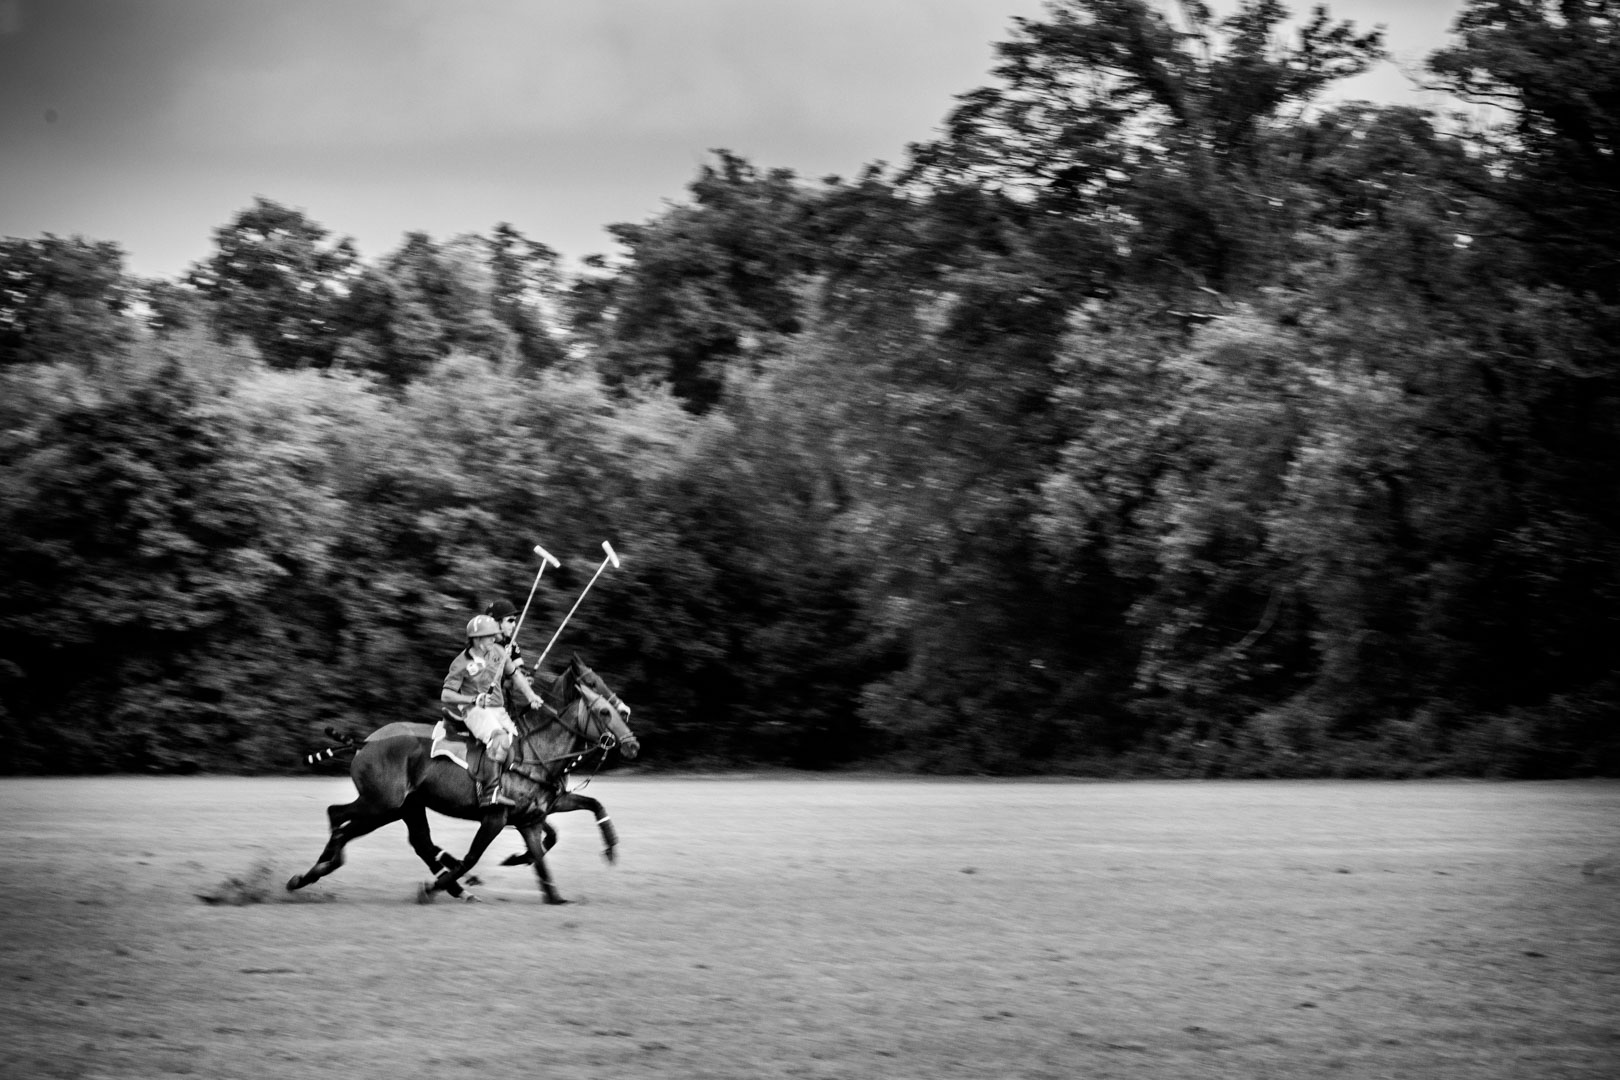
(819, 927)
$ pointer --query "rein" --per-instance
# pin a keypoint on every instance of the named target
(599, 744)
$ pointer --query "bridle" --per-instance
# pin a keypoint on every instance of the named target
(602, 741)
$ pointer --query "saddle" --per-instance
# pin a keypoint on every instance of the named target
(452, 740)
(496, 786)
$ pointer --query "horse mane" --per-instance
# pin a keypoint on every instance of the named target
(560, 694)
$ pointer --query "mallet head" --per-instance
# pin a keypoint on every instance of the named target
(546, 557)
(611, 554)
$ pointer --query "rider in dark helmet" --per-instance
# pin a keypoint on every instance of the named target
(506, 618)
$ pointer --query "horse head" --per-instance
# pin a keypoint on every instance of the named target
(606, 718)
(582, 713)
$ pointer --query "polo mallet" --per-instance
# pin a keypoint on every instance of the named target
(545, 557)
(611, 558)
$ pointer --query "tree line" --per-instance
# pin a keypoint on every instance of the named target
(1153, 418)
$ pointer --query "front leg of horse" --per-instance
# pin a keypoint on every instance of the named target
(421, 838)
(523, 858)
(534, 837)
(489, 827)
(574, 801)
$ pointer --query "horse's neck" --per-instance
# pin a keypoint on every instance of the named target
(549, 745)
(559, 690)
(583, 680)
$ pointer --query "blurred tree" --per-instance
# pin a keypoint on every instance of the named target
(1178, 452)
(1161, 137)
(1552, 69)
(388, 330)
(422, 302)
(453, 287)
(1117, 157)
(62, 300)
(1549, 346)
(173, 308)
(526, 288)
(775, 670)
(1143, 413)
(275, 280)
(135, 550)
(706, 285)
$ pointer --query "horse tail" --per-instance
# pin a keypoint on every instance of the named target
(346, 744)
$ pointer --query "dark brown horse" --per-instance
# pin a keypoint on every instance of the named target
(398, 779)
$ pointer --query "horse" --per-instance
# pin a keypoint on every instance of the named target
(397, 778)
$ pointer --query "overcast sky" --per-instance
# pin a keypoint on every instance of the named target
(152, 122)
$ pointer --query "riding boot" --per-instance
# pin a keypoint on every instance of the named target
(487, 781)
(493, 793)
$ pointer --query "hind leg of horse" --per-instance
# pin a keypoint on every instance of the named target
(351, 824)
(338, 813)
(489, 827)
(534, 837)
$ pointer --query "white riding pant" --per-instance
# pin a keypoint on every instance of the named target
(491, 726)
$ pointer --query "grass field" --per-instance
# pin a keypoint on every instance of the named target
(825, 927)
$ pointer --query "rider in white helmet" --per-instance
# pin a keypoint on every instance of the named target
(505, 615)
(473, 689)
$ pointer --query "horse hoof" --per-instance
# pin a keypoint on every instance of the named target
(425, 893)
(610, 855)
(472, 898)
(295, 883)
(557, 900)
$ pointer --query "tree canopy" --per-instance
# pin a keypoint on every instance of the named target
(1153, 417)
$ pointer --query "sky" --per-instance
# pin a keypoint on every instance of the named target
(151, 123)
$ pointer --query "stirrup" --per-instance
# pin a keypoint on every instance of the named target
(491, 795)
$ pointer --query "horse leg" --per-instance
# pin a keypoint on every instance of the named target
(489, 827)
(421, 838)
(523, 858)
(566, 802)
(352, 821)
(534, 837)
(574, 801)
(416, 825)
(338, 813)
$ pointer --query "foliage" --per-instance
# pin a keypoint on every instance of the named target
(1159, 138)
(1148, 421)
(705, 285)
(275, 280)
(61, 300)
(1553, 68)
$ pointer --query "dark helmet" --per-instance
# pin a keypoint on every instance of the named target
(500, 609)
